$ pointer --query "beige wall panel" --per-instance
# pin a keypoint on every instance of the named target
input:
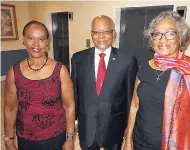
(84, 12)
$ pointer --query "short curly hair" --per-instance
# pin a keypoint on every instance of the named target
(183, 27)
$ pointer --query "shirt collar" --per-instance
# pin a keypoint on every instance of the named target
(107, 51)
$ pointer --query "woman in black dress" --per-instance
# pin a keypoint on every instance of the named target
(159, 113)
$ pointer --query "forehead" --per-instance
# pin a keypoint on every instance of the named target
(165, 24)
(102, 23)
(35, 28)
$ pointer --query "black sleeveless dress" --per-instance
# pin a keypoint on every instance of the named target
(148, 124)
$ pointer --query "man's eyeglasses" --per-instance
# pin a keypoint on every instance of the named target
(169, 35)
(106, 32)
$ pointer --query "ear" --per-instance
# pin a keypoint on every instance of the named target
(91, 33)
(23, 41)
(47, 49)
(114, 36)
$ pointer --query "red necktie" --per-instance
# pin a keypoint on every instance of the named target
(101, 73)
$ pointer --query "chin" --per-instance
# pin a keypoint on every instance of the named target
(37, 56)
(102, 47)
(167, 54)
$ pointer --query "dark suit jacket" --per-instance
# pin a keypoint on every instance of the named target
(106, 115)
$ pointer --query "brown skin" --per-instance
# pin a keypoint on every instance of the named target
(163, 47)
(10, 110)
(36, 44)
(36, 41)
(67, 94)
(128, 144)
(102, 41)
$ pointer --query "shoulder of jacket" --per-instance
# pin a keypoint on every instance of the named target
(82, 52)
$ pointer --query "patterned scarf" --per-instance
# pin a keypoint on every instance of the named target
(176, 115)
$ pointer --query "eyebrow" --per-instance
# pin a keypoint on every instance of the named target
(165, 31)
(101, 30)
(34, 36)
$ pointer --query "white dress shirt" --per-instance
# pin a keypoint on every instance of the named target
(97, 58)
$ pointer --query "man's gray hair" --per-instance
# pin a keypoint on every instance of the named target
(103, 17)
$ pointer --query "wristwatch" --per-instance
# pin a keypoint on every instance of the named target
(70, 136)
(6, 138)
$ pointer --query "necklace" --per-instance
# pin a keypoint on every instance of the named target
(37, 68)
(159, 75)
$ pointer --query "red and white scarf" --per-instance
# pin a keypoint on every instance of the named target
(176, 115)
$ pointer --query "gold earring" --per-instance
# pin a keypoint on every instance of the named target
(47, 49)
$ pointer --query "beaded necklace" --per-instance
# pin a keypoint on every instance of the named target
(37, 68)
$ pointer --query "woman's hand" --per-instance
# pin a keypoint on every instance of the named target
(68, 145)
(11, 147)
(128, 145)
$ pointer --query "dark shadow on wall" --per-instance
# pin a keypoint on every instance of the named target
(10, 57)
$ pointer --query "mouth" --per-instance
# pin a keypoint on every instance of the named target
(163, 46)
(102, 42)
(36, 49)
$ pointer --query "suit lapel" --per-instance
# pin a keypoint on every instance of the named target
(91, 67)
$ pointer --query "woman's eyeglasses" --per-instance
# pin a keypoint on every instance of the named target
(169, 35)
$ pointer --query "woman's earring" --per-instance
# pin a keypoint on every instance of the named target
(47, 49)
(180, 47)
(151, 46)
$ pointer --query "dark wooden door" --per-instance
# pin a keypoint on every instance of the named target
(60, 29)
(133, 22)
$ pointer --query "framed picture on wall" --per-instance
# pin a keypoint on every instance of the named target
(9, 29)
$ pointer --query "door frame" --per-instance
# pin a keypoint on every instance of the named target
(49, 26)
(117, 15)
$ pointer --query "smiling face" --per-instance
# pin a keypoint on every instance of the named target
(35, 40)
(102, 33)
(166, 47)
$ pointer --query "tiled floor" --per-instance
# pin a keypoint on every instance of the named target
(77, 147)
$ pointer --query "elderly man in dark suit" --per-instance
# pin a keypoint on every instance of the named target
(103, 78)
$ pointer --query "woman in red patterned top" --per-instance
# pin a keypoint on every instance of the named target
(39, 98)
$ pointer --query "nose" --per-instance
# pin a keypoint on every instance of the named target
(163, 38)
(36, 41)
(101, 35)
